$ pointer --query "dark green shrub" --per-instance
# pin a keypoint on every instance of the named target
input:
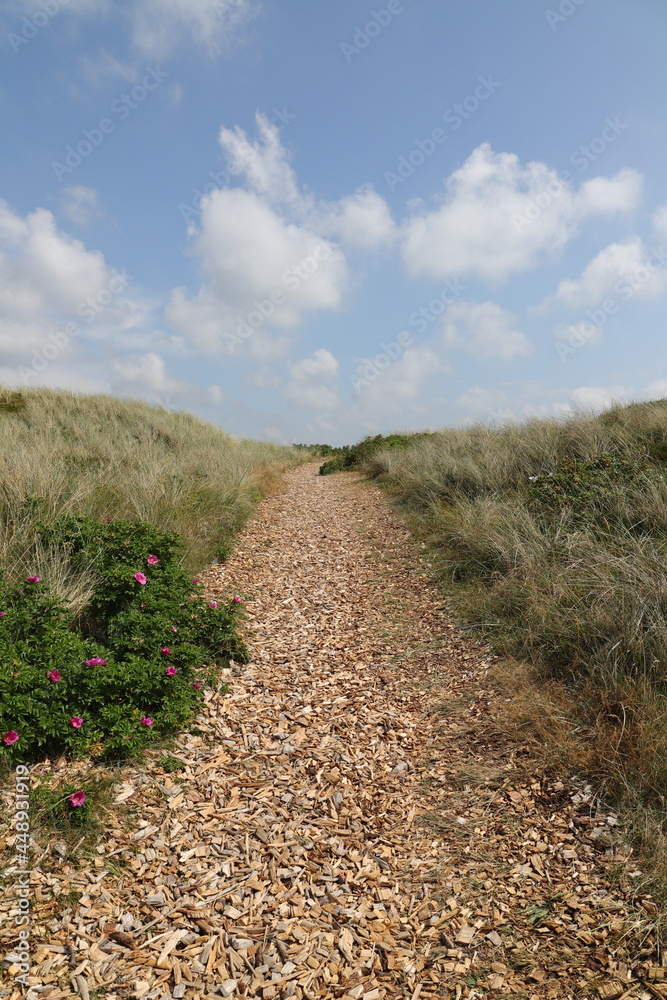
(132, 666)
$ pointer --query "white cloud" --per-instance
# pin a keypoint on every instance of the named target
(44, 270)
(160, 25)
(484, 330)
(80, 204)
(485, 224)
(55, 294)
(598, 398)
(147, 372)
(312, 379)
(656, 390)
(262, 272)
(263, 162)
(388, 391)
(618, 263)
(659, 220)
(362, 220)
(486, 404)
(268, 251)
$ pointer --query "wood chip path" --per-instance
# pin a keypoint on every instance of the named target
(348, 823)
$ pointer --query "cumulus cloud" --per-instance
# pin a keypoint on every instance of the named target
(262, 272)
(312, 381)
(263, 162)
(385, 392)
(490, 224)
(615, 267)
(145, 376)
(270, 254)
(60, 301)
(361, 220)
(656, 390)
(148, 372)
(597, 398)
(485, 330)
(659, 220)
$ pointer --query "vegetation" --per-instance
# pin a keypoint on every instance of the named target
(97, 456)
(551, 539)
(106, 508)
(352, 456)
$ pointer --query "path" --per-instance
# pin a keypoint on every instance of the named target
(346, 824)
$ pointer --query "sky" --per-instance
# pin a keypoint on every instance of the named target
(310, 222)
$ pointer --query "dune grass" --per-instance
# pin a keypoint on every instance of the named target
(97, 456)
(551, 540)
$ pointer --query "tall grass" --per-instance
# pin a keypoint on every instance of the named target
(551, 539)
(63, 453)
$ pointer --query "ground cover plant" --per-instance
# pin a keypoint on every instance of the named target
(551, 540)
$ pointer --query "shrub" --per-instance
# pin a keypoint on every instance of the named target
(132, 665)
(351, 456)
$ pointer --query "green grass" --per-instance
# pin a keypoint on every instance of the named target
(97, 456)
(550, 538)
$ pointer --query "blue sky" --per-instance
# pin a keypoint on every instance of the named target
(312, 222)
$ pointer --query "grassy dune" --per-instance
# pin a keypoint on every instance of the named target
(551, 539)
(62, 453)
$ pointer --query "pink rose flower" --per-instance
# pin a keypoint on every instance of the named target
(33, 579)
(197, 687)
(174, 629)
(236, 600)
(54, 676)
(78, 798)
(171, 671)
(96, 661)
(10, 737)
(140, 578)
(152, 560)
(146, 721)
(3, 614)
(76, 722)
(165, 651)
(212, 604)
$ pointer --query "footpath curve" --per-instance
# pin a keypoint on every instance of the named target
(346, 823)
